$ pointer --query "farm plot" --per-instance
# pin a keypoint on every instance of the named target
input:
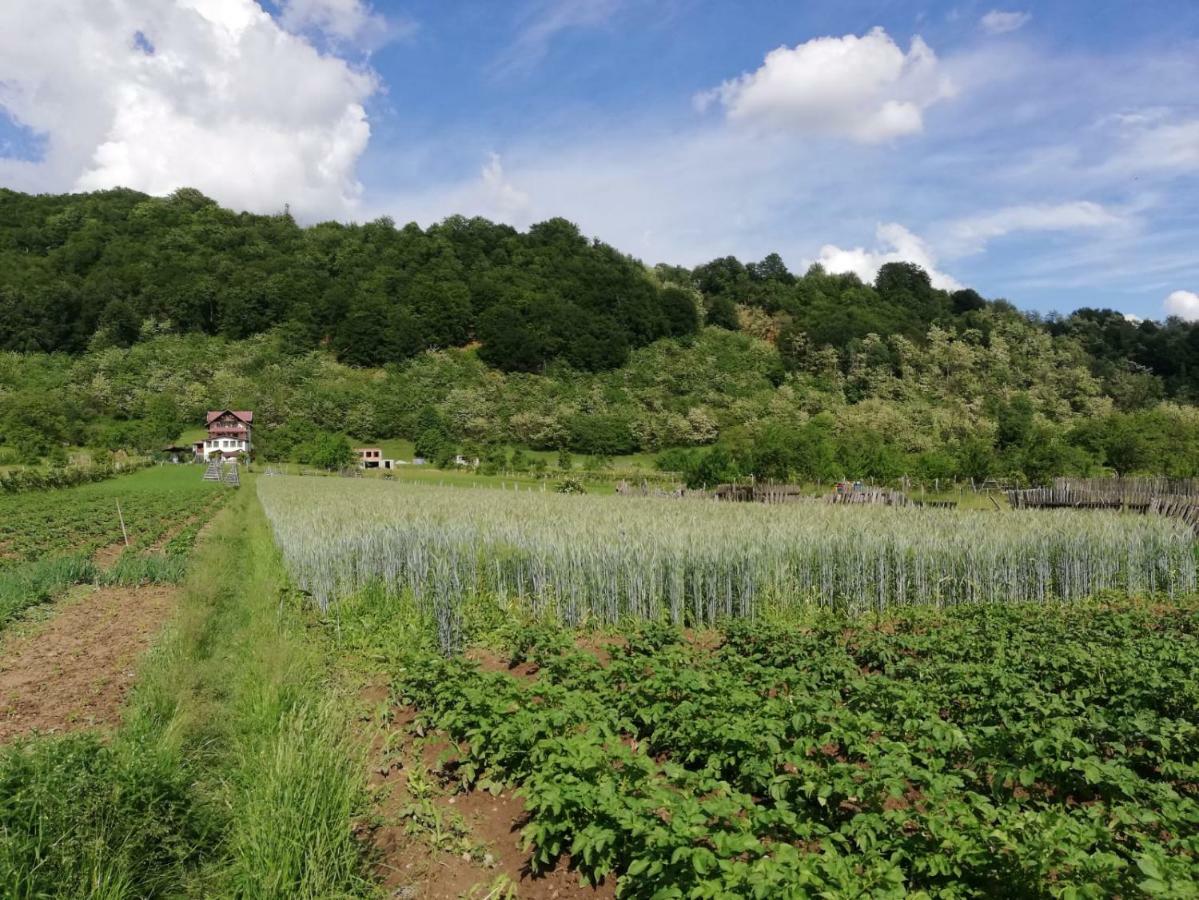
(48, 539)
(608, 559)
(38, 524)
(978, 751)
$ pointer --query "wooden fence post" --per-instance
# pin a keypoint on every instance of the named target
(121, 516)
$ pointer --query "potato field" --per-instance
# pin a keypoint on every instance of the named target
(48, 538)
(977, 752)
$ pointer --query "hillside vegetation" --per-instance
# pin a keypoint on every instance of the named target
(126, 316)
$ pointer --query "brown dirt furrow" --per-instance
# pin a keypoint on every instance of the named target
(74, 671)
(107, 556)
(409, 865)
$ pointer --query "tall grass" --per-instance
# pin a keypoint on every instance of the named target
(231, 775)
(242, 688)
(32, 583)
(81, 818)
(45, 580)
(132, 569)
(291, 835)
(605, 558)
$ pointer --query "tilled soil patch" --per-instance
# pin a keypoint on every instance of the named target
(410, 865)
(75, 670)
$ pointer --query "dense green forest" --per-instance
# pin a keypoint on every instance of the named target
(123, 317)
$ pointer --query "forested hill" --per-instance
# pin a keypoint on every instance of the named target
(124, 316)
(91, 269)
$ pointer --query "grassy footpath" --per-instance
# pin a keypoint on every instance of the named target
(232, 775)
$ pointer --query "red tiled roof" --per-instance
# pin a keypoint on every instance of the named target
(244, 414)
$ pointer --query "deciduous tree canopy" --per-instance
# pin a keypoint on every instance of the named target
(125, 316)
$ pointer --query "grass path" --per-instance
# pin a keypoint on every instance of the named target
(231, 775)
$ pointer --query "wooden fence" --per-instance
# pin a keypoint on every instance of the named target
(1174, 497)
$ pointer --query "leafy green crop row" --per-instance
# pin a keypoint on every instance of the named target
(39, 524)
(48, 537)
(23, 480)
(992, 750)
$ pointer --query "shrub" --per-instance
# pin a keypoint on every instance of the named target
(570, 486)
(327, 451)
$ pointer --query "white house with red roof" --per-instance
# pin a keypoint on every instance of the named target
(229, 434)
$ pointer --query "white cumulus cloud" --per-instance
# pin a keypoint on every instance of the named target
(896, 244)
(864, 88)
(1000, 22)
(1184, 304)
(345, 21)
(212, 94)
(971, 234)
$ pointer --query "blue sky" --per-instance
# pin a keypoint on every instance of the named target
(1045, 152)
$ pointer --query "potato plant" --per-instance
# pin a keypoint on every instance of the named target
(979, 751)
(37, 524)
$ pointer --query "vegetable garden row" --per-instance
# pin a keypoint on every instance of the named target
(48, 538)
(794, 701)
(975, 752)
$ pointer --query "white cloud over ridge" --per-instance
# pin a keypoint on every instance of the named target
(896, 244)
(863, 88)
(1184, 304)
(971, 234)
(1002, 22)
(215, 94)
(509, 203)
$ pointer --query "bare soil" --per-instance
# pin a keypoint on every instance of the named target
(74, 670)
(107, 556)
(407, 861)
(490, 661)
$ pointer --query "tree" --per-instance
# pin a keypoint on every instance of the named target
(1123, 444)
(327, 451)
(680, 310)
(967, 300)
(772, 268)
(722, 312)
(976, 458)
(1047, 455)
(1014, 420)
(904, 280)
(711, 467)
(516, 340)
(120, 323)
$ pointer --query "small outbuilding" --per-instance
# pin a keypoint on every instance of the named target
(369, 457)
